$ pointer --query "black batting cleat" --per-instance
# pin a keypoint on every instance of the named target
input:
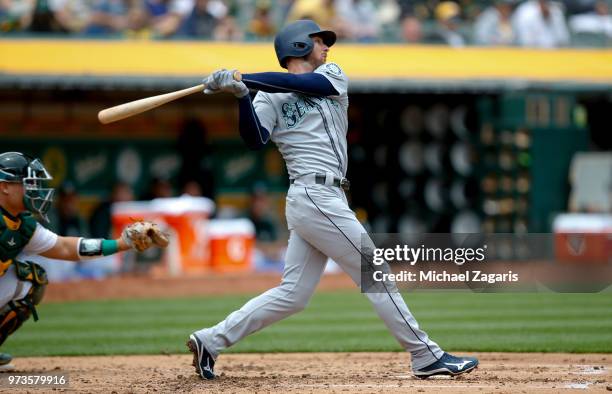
(203, 362)
(448, 365)
(5, 362)
(5, 358)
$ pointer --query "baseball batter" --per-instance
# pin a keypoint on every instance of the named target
(304, 112)
(22, 283)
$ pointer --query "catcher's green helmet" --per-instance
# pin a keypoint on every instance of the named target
(17, 167)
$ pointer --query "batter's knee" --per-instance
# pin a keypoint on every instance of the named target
(300, 304)
(297, 297)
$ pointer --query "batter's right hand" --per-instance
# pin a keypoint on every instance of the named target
(211, 83)
(223, 81)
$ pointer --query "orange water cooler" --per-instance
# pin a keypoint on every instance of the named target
(583, 238)
(232, 243)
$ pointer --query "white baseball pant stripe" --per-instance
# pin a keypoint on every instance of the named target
(321, 224)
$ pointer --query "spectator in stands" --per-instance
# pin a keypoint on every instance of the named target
(574, 7)
(72, 15)
(323, 12)
(193, 147)
(356, 20)
(167, 16)
(268, 249)
(448, 22)
(42, 18)
(229, 29)
(259, 213)
(596, 21)
(470, 9)
(159, 187)
(100, 224)
(494, 25)
(261, 24)
(15, 14)
(109, 16)
(281, 9)
(210, 19)
(540, 23)
(138, 20)
(411, 27)
(56, 16)
(203, 20)
(192, 188)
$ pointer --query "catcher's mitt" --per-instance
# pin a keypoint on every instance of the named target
(142, 235)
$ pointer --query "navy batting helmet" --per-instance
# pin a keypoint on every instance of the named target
(295, 40)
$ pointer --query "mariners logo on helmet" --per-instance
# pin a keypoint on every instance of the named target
(19, 168)
(295, 40)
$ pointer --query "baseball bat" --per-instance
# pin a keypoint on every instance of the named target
(136, 107)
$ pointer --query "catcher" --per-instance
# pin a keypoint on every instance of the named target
(22, 283)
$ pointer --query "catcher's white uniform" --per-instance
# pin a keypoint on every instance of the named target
(11, 288)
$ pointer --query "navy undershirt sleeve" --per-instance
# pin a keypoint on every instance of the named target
(311, 84)
(251, 130)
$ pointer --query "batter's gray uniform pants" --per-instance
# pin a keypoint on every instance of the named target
(321, 224)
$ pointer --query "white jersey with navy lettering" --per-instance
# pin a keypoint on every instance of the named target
(310, 132)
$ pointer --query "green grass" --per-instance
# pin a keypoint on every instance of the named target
(333, 322)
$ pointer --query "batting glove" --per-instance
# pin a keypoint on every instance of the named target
(211, 83)
(238, 89)
(223, 80)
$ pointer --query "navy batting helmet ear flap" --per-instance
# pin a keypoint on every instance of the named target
(295, 40)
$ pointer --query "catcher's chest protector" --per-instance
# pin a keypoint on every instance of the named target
(15, 233)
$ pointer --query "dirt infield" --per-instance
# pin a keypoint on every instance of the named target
(325, 372)
(294, 372)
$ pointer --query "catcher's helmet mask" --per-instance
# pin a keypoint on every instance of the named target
(17, 167)
(295, 40)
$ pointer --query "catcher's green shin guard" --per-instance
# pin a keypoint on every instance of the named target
(13, 314)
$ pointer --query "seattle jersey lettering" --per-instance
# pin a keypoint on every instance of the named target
(294, 112)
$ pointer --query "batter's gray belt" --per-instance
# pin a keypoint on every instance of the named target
(323, 179)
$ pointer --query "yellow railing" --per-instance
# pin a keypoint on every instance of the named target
(177, 58)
